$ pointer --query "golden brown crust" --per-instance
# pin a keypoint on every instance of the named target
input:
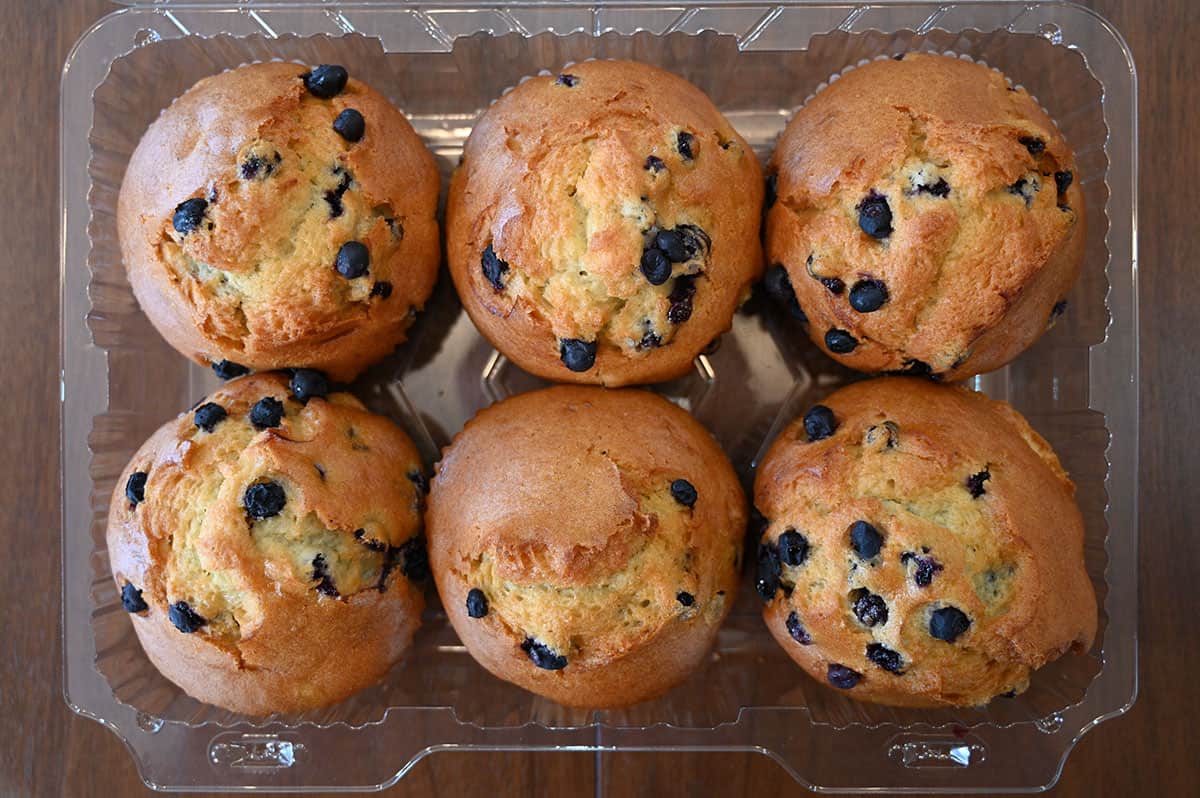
(557, 505)
(972, 272)
(281, 633)
(1010, 558)
(556, 179)
(255, 283)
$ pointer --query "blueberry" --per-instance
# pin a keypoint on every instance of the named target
(353, 259)
(267, 412)
(924, 569)
(650, 340)
(1062, 180)
(334, 197)
(227, 369)
(381, 289)
(833, 284)
(875, 215)
(842, 677)
(868, 296)
(188, 215)
(656, 266)
(917, 368)
(263, 500)
(685, 142)
(570, 81)
(819, 423)
(885, 658)
(769, 570)
(772, 191)
(793, 548)
(948, 623)
(975, 482)
(654, 164)
(494, 269)
(419, 480)
(683, 492)
(135, 487)
(326, 81)
(374, 545)
(1035, 145)
(256, 167)
(840, 341)
(131, 599)
(324, 580)
(779, 288)
(307, 384)
(940, 189)
(797, 630)
(416, 559)
(869, 608)
(477, 603)
(543, 656)
(1025, 189)
(1060, 307)
(209, 415)
(185, 618)
(865, 540)
(350, 125)
(680, 309)
(675, 245)
(685, 598)
(577, 355)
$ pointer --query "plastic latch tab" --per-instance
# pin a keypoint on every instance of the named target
(255, 751)
(930, 751)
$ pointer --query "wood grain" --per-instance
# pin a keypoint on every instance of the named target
(47, 751)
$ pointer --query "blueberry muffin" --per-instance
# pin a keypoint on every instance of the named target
(279, 216)
(922, 546)
(603, 224)
(586, 543)
(266, 543)
(927, 219)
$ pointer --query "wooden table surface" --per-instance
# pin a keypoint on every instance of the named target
(46, 750)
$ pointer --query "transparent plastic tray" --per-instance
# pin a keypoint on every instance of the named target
(443, 63)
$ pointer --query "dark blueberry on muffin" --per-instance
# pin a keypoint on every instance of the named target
(793, 548)
(842, 677)
(188, 215)
(570, 81)
(685, 598)
(656, 266)
(975, 483)
(227, 369)
(769, 571)
(683, 492)
(308, 384)
(264, 500)
(185, 618)
(680, 309)
(209, 415)
(321, 575)
(350, 125)
(477, 603)
(353, 260)
(135, 487)
(543, 656)
(865, 540)
(948, 623)
(685, 142)
(868, 296)
(885, 658)
(131, 599)
(796, 630)
(326, 81)
(493, 268)
(819, 423)
(875, 215)
(840, 341)
(869, 608)
(577, 355)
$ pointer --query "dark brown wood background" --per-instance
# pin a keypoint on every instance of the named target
(45, 750)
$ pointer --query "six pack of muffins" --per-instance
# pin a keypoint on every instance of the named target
(914, 543)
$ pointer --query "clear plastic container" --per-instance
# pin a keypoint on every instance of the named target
(443, 63)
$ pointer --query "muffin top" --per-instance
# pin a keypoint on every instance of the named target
(590, 523)
(927, 217)
(923, 546)
(257, 514)
(603, 223)
(279, 216)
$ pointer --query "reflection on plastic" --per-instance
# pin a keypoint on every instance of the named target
(237, 750)
(937, 752)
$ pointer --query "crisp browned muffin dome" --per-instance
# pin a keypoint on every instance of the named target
(586, 542)
(279, 216)
(923, 546)
(928, 218)
(266, 546)
(603, 224)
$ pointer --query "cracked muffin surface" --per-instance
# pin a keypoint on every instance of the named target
(281, 216)
(266, 547)
(927, 219)
(602, 226)
(585, 542)
(922, 546)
